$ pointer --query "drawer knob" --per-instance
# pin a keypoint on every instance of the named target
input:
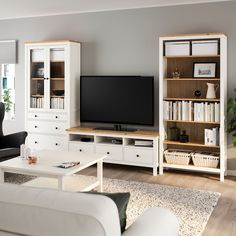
(80, 150)
(108, 153)
(35, 126)
(56, 127)
(56, 117)
(56, 144)
(35, 116)
(137, 155)
(35, 142)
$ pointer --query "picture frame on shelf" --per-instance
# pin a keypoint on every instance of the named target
(204, 70)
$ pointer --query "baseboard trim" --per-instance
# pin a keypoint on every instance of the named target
(231, 172)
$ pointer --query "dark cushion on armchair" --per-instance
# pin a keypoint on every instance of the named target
(13, 140)
(8, 153)
(9, 144)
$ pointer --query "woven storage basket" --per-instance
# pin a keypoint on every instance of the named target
(204, 159)
(177, 156)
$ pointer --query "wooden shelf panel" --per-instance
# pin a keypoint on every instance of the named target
(54, 96)
(193, 122)
(191, 167)
(57, 79)
(192, 79)
(189, 144)
(192, 99)
(37, 96)
(37, 78)
(192, 56)
(127, 134)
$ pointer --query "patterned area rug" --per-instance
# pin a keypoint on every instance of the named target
(192, 207)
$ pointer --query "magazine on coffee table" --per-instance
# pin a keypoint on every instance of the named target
(66, 165)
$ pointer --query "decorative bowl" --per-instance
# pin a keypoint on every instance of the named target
(58, 92)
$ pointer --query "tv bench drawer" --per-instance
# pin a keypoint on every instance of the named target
(113, 153)
(138, 155)
(83, 148)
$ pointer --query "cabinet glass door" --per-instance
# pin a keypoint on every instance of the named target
(37, 69)
(57, 78)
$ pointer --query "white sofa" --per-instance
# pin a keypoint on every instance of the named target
(46, 212)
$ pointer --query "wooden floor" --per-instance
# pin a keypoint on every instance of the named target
(223, 219)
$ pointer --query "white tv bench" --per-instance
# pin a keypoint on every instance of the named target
(125, 153)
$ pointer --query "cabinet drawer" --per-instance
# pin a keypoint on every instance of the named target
(138, 155)
(46, 127)
(83, 148)
(113, 153)
(47, 116)
(50, 142)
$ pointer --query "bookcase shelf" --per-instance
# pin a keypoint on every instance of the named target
(193, 122)
(192, 56)
(192, 167)
(189, 144)
(192, 99)
(177, 97)
(192, 79)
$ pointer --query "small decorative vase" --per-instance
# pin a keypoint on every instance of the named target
(176, 74)
(173, 133)
(211, 90)
(183, 138)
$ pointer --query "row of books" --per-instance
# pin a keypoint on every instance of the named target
(37, 102)
(211, 136)
(192, 111)
(57, 103)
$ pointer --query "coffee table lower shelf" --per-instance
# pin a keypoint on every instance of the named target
(74, 183)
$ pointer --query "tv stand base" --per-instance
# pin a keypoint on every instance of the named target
(116, 128)
(119, 147)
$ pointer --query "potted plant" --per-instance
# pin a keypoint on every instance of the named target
(231, 110)
(7, 102)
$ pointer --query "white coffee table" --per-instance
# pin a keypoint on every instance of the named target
(54, 177)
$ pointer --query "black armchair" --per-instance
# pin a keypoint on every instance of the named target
(9, 144)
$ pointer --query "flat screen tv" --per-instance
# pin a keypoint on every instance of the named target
(117, 99)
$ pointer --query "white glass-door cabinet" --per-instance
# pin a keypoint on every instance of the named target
(52, 71)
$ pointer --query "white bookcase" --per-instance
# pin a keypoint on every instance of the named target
(125, 152)
(182, 52)
(52, 72)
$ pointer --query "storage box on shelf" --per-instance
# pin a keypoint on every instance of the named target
(184, 101)
(204, 159)
(176, 156)
(52, 102)
(119, 146)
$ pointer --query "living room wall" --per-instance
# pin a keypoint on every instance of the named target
(123, 42)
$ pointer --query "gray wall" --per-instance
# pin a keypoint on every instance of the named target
(122, 42)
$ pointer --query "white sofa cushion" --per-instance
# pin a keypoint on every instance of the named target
(37, 212)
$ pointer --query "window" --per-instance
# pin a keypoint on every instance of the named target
(7, 72)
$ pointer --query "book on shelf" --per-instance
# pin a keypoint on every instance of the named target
(37, 102)
(192, 111)
(57, 103)
(175, 111)
(211, 136)
(179, 111)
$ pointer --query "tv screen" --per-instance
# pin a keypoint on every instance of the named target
(117, 99)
